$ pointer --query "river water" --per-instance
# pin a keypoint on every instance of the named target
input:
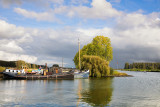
(142, 90)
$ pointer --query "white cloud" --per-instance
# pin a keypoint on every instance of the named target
(13, 57)
(10, 46)
(10, 30)
(42, 16)
(101, 9)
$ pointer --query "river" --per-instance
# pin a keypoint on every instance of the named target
(142, 90)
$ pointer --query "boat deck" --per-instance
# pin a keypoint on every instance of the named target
(37, 77)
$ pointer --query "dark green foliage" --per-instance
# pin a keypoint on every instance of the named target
(126, 66)
(111, 71)
(8, 63)
(17, 64)
(141, 65)
(55, 65)
(98, 67)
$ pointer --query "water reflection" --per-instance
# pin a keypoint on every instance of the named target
(95, 92)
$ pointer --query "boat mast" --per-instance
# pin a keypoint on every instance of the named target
(79, 54)
(62, 62)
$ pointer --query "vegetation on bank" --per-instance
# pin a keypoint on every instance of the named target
(96, 56)
(2, 69)
(149, 67)
(142, 70)
(97, 66)
(119, 74)
(17, 64)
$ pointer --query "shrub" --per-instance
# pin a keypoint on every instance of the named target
(98, 67)
(2, 69)
(29, 70)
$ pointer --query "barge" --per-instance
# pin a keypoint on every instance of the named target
(21, 74)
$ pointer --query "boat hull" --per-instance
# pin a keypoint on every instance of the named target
(81, 75)
(37, 77)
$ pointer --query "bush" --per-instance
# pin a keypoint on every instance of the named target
(116, 73)
(2, 69)
(97, 66)
(111, 71)
(29, 71)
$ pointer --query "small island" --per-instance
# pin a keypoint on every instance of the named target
(96, 56)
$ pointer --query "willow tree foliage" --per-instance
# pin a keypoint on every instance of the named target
(100, 46)
(97, 66)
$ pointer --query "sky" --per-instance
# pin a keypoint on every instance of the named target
(45, 31)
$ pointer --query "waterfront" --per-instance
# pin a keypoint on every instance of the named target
(141, 90)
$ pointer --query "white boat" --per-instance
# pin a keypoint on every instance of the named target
(83, 74)
(12, 73)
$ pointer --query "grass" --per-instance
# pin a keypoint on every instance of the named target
(116, 73)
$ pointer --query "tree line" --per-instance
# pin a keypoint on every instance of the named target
(142, 65)
(18, 64)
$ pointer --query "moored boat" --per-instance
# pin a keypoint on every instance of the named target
(21, 74)
(83, 74)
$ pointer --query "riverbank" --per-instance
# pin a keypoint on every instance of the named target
(142, 70)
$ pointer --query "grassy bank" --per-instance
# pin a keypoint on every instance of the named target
(115, 73)
(119, 74)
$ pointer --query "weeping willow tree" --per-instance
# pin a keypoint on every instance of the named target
(95, 56)
(97, 66)
(100, 46)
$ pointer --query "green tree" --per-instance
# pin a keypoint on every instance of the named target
(2, 69)
(97, 66)
(21, 63)
(100, 46)
(126, 65)
(55, 65)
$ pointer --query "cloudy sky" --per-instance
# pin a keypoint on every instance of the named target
(44, 31)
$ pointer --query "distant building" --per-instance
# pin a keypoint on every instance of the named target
(56, 70)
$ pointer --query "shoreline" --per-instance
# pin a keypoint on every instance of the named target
(140, 70)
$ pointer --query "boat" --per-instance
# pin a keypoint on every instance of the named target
(81, 74)
(21, 74)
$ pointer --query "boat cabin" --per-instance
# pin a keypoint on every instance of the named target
(15, 71)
